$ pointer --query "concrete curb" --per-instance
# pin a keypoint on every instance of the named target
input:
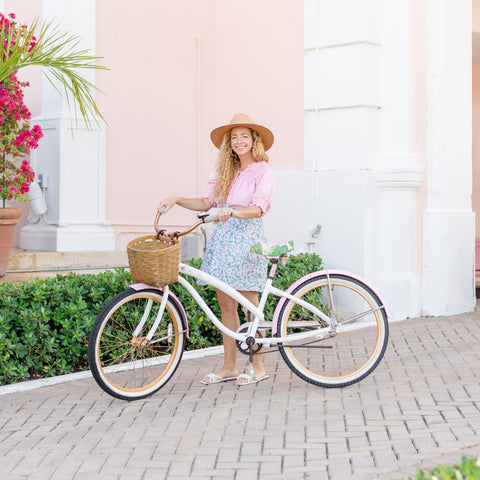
(72, 377)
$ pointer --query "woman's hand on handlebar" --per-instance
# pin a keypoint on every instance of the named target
(168, 203)
(225, 213)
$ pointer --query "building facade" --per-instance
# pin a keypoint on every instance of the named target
(372, 102)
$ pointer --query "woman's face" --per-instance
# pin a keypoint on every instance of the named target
(241, 140)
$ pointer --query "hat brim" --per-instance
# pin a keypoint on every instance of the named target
(267, 136)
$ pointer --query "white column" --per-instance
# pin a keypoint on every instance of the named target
(70, 158)
(358, 143)
(397, 175)
(448, 223)
(343, 108)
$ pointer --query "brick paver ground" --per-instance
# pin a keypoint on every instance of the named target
(421, 407)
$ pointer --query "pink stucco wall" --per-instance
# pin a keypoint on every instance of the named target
(476, 146)
(476, 15)
(476, 120)
(178, 70)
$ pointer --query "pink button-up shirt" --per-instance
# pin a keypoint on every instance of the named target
(254, 186)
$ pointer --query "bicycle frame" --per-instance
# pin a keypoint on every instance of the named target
(256, 311)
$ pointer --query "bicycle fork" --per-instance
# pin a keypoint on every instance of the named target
(146, 314)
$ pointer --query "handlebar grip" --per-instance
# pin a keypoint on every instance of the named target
(160, 212)
(211, 218)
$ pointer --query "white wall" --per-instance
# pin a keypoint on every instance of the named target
(377, 161)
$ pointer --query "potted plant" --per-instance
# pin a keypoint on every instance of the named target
(44, 45)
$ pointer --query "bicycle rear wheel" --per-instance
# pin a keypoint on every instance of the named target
(125, 365)
(354, 342)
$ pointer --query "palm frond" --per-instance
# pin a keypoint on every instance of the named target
(61, 58)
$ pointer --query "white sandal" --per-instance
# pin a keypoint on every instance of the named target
(213, 378)
(251, 379)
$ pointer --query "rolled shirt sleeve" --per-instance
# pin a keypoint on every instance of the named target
(264, 190)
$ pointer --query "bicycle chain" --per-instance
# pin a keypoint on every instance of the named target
(273, 350)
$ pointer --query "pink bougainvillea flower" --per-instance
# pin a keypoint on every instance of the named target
(17, 136)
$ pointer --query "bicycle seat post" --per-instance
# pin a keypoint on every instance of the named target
(273, 268)
(275, 261)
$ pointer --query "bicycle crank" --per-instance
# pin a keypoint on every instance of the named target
(243, 347)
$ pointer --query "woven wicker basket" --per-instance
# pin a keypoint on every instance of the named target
(154, 260)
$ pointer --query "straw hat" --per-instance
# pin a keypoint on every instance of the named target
(242, 120)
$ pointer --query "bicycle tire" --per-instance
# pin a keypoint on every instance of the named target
(125, 366)
(347, 355)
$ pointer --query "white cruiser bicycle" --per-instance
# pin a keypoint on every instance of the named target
(331, 328)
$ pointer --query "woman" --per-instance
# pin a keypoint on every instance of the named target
(243, 190)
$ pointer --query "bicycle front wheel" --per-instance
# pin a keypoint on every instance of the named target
(125, 363)
(354, 341)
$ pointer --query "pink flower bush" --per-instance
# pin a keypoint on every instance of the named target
(17, 137)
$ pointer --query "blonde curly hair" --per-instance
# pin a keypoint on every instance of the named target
(228, 163)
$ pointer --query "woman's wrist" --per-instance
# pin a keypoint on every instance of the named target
(249, 212)
(225, 213)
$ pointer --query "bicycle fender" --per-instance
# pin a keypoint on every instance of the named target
(143, 286)
(293, 286)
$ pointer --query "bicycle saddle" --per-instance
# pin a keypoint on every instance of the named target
(272, 249)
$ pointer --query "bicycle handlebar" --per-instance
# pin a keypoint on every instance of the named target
(208, 217)
(204, 218)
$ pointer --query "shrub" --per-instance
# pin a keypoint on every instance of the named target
(469, 469)
(44, 324)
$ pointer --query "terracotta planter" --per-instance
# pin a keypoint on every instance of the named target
(8, 221)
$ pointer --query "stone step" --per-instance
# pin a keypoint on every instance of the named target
(25, 265)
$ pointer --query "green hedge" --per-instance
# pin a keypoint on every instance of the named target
(469, 469)
(44, 324)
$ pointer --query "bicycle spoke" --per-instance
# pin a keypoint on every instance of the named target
(128, 366)
(357, 333)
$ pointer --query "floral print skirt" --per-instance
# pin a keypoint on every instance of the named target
(228, 256)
